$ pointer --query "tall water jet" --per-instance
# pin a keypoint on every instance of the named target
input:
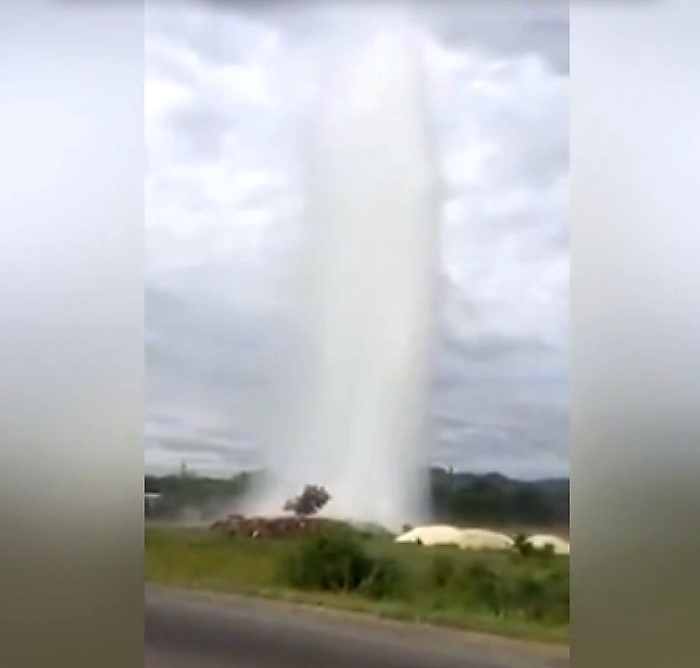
(356, 405)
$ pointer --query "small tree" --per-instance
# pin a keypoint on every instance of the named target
(523, 546)
(309, 502)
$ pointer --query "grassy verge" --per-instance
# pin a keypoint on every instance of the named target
(429, 590)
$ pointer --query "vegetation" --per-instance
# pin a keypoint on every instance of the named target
(183, 492)
(309, 502)
(495, 500)
(463, 498)
(522, 593)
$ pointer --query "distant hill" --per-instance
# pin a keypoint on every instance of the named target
(466, 477)
(495, 499)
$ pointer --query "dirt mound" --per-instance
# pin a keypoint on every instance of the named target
(271, 527)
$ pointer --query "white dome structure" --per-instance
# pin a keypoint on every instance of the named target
(482, 539)
(437, 534)
(467, 539)
(540, 541)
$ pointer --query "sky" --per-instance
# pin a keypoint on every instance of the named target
(228, 90)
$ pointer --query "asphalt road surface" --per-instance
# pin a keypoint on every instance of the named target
(187, 630)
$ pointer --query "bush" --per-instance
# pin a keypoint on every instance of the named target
(524, 549)
(339, 560)
(523, 546)
(386, 579)
(535, 593)
(547, 553)
(442, 572)
(485, 588)
(542, 597)
(336, 560)
(557, 585)
(529, 596)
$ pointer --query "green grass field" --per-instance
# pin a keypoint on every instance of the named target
(432, 586)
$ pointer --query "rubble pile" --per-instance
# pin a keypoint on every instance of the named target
(271, 527)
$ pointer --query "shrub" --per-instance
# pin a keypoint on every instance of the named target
(386, 579)
(546, 553)
(540, 594)
(332, 560)
(523, 546)
(557, 585)
(524, 549)
(485, 588)
(529, 596)
(442, 572)
(336, 560)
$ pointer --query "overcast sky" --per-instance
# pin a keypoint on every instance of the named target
(226, 95)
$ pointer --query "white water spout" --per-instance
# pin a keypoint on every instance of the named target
(356, 405)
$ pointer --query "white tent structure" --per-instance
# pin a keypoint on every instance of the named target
(468, 539)
(437, 534)
(482, 539)
(539, 541)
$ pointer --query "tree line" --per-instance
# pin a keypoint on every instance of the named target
(490, 499)
(494, 499)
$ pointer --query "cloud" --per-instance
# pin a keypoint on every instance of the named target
(227, 99)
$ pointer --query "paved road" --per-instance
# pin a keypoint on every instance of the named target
(199, 631)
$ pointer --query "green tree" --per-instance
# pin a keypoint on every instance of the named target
(309, 502)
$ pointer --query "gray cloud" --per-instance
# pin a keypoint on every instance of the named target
(225, 100)
(546, 38)
(202, 127)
